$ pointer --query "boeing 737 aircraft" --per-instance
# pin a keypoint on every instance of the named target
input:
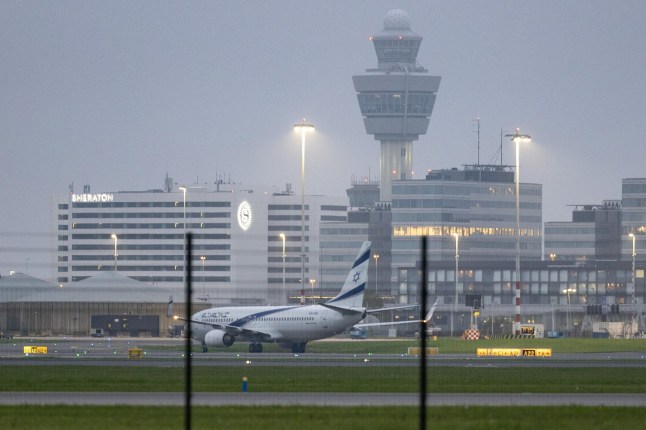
(290, 326)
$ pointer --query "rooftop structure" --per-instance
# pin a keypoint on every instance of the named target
(593, 234)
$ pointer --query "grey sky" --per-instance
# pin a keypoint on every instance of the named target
(114, 94)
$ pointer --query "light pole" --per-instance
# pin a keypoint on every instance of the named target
(282, 237)
(567, 314)
(312, 282)
(376, 257)
(518, 138)
(183, 190)
(634, 301)
(457, 257)
(303, 127)
(114, 236)
(203, 258)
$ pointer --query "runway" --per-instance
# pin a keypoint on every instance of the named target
(319, 399)
(164, 352)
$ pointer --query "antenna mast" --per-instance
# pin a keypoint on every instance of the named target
(501, 133)
(478, 131)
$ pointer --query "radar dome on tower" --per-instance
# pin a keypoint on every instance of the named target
(397, 19)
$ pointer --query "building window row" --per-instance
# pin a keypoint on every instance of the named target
(460, 190)
(575, 244)
(396, 103)
(152, 247)
(156, 268)
(177, 257)
(633, 188)
(92, 226)
(173, 215)
(189, 204)
(425, 230)
(133, 236)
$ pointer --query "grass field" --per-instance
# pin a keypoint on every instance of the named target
(325, 379)
(319, 418)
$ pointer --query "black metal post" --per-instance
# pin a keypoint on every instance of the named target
(422, 335)
(189, 334)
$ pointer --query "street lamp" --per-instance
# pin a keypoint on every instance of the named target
(203, 258)
(632, 236)
(114, 236)
(376, 257)
(312, 282)
(518, 138)
(457, 257)
(282, 236)
(634, 301)
(567, 314)
(183, 190)
(303, 127)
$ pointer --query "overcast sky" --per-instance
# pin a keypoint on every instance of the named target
(115, 94)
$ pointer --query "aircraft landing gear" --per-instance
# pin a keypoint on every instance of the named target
(255, 347)
(204, 347)
(298, 347)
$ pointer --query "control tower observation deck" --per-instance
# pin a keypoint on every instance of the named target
(396, 99)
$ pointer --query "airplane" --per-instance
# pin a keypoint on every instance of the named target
(289, 326)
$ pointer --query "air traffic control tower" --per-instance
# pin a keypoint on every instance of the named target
(396, 99)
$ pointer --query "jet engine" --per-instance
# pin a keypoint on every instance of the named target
(218, 338)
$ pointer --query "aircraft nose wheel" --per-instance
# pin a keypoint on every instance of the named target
(255, 347)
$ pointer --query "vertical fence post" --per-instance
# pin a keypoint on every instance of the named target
(422, 335)
(189, 334)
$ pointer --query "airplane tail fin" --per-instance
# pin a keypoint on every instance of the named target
(351, 295)
(429, 315)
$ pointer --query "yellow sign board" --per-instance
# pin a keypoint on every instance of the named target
(514, 352)
(537, 352)
(416, 350)
(35, 349)
(527, 329)
(135, 353)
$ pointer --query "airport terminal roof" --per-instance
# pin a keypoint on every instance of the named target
(105, 287)
(15, 287)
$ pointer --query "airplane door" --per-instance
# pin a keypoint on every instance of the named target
(324, 319)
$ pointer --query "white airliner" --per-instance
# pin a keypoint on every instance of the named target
(289, 326)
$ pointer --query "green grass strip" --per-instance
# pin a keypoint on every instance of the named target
(319, 418)
(325, 379)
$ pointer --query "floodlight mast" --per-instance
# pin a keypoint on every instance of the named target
(518, 138)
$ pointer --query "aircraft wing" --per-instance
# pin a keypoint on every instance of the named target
(233, 330)
(259, 335)
(384, 323)
(429, 315)
(394, 308)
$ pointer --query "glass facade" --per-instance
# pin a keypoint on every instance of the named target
(547, 290)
